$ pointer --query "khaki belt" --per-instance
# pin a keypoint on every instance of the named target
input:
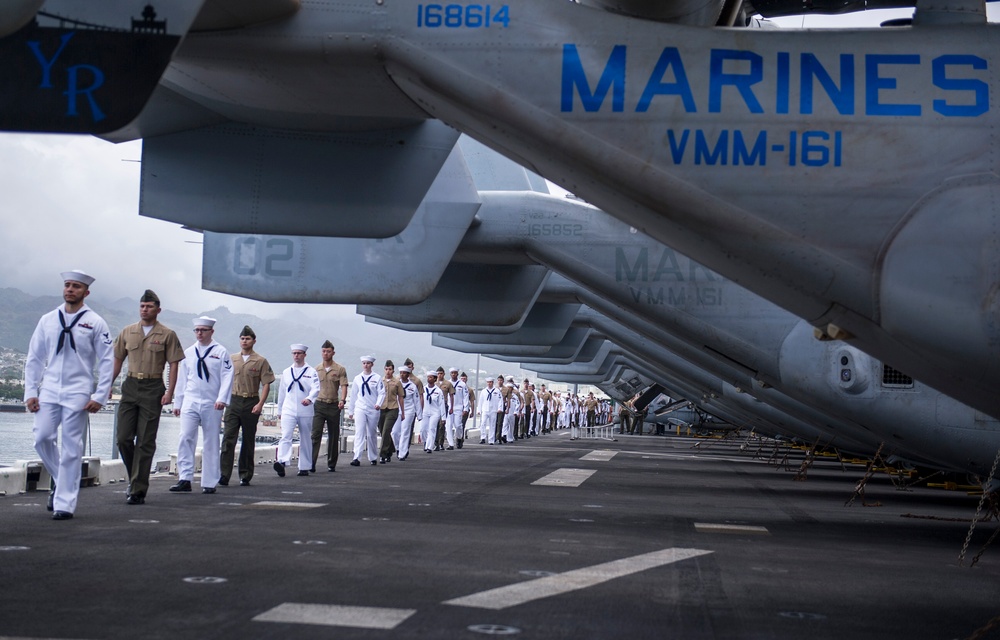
(145, 376)
(327, 401)
(248, 395)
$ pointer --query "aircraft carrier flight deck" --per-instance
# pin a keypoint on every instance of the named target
(642, 537)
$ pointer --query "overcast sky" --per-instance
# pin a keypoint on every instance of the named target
(71, 202)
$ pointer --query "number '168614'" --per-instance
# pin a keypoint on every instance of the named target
(462, 16)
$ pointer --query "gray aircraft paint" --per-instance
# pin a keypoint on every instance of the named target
(733, 322)
(784, 415)
(403, 269)
(819, 265)
(240, 179)
(760, 153)
(465, 346)
(567, 350)
(546, 324)
(468, 296)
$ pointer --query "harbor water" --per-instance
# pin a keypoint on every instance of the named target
(18, 443)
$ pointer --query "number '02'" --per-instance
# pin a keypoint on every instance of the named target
(251, 251)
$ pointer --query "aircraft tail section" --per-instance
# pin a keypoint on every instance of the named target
(494, 172)
(403, 269)
(88, 67)
(235, 178)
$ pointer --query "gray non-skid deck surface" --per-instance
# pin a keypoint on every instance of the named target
(660, 541)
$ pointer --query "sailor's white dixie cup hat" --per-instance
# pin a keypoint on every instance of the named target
(77, 276)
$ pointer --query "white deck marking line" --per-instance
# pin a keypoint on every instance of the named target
(333, 615)
(515, 594)
(279, 504)
(565, 478)
(709, 527)
(600, 455)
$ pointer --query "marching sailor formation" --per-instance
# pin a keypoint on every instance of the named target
(223, 396)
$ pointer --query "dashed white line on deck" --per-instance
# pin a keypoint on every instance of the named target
(522, 592)
(599, 455)
(565, 478)
(333, 615)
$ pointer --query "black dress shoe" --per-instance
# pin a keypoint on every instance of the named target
(135, 499)
(381, 460)
(244, 483)
(224, 481)
(483, 441)
(312, 470)
(279, 469)
(451, 448)
(208, 489)
(182, 485)
(460, 443)
(303, 472)
(52, 497)
(62, 515)
(405, 457)
(374, 464)
(331, 468)
(355, 463)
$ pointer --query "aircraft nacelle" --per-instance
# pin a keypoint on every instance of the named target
(901, 411)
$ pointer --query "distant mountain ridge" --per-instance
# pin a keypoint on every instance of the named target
(353, 338)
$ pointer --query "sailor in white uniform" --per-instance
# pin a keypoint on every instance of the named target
(513, 409)
(67, 345)
(489, 405)
(205, 386)
(402, 431)
(454, 430)
(434, 409)
(297, 392)
(364, 402)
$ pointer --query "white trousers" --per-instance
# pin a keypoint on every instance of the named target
(64, 467)
(487, 426)
(210, 419)
(508, 426)
(402, 433)
(429, 427)
(289, 421)
(366, 433)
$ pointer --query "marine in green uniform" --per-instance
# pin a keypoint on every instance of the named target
(330, 402)
(149, 347)
(252, 378)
